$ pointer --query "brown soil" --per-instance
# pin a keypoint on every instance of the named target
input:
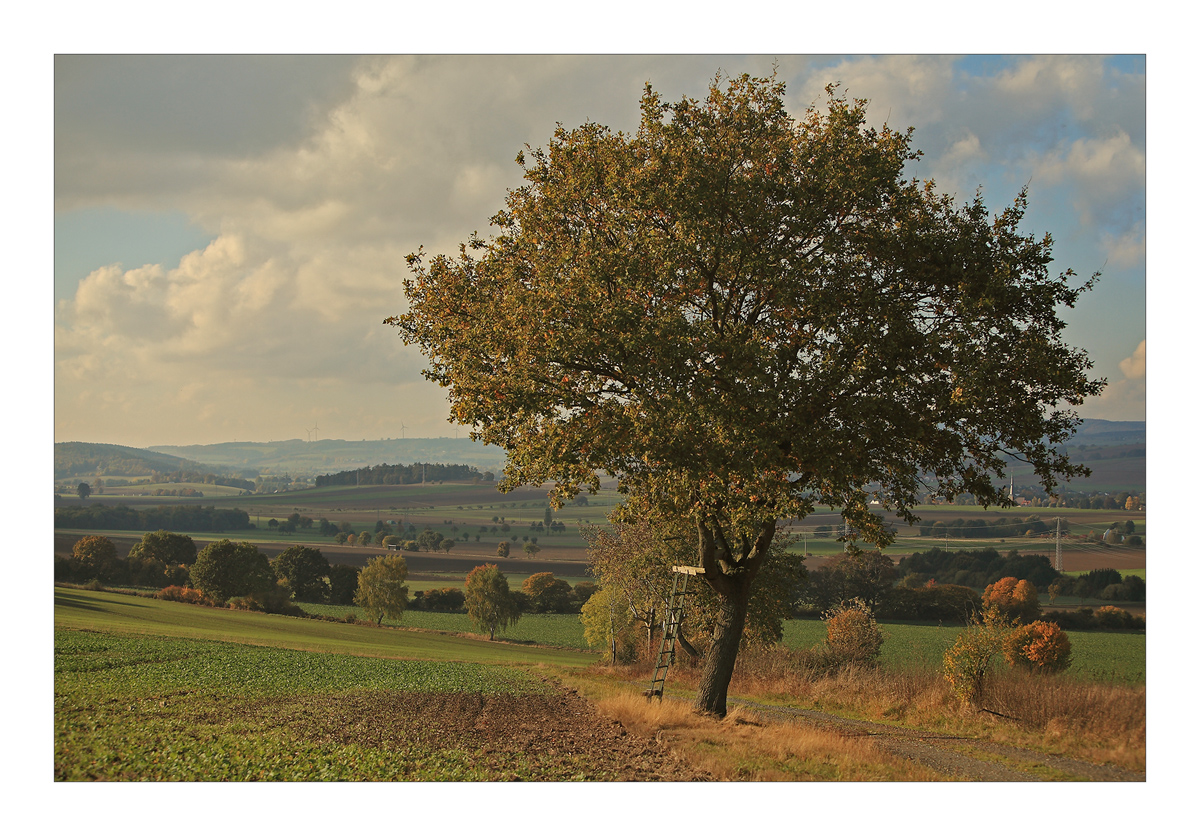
(552, 737)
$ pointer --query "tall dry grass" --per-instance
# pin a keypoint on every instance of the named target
(1096, 722)
(742, 748)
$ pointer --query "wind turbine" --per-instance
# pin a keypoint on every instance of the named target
(316, 427)
(402, 429)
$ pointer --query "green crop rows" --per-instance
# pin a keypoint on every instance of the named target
(151, 708)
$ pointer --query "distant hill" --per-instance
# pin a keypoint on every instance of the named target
(1109, 433)
(297, 457)
(80, 458)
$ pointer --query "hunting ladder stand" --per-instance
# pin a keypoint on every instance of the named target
(671, 624)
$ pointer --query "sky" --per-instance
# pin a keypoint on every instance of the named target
(230, 230)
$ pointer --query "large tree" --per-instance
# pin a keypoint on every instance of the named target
(743, 316)
(307, 572)
(166, 546)
(225, 570)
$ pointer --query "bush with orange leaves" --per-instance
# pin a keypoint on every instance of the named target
(1040, 647)
(185, 594)
(852, 635)
(1015, 599)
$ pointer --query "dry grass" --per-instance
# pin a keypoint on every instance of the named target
(1095, 722)
(743, 748)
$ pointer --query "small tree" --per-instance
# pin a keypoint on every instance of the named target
(608, 623)
(531, 549)
(489, 602)
(84, 490)
(502, 549)
(968, 662)
(381, 588)
(1041, 647)
(547, 593)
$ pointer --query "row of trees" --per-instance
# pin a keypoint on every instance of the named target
(404, 474)
(101, 517)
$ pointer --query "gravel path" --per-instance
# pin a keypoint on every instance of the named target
(958, 758)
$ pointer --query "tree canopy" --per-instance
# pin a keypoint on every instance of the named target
(166, 546)
(306, 571)
(744, 315)
(490, 603)
(381, 588)
(225, 570)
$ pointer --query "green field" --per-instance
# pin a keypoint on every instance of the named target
(1101, 657)
(170, 709)
(85, 610)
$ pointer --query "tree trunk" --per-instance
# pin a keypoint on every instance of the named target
(729, 569)
(722, 653)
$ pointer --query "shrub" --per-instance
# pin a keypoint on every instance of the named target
(968, 662)
(447, 599)
(1112, 618)
(1041, 647)
(852, 634)
(184, 594)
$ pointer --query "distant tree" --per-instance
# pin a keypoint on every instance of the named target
(531, 549)
(343, 583)
(306, 570)
(97, 556)
(583, 591)
(547, 593)
(447, 544)
(169, 548)
(365, 538)
(608, 623)
(489, 601)
(225, 570)
(287, 527)
(502, 550)
(866, 576)
(381, 588)
(430, 540)
(1014, 599)
(548, 517)
(84, 490)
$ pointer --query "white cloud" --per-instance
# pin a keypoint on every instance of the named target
(1134, 366)
(282, 313)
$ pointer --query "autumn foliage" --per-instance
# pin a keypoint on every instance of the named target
(1014, 599)
(1040, 647)
(852, 634)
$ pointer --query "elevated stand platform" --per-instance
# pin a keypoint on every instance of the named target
(671, 624)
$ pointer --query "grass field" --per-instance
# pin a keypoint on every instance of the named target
(86, 610)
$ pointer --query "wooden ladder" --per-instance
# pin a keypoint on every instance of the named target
(671, 624)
